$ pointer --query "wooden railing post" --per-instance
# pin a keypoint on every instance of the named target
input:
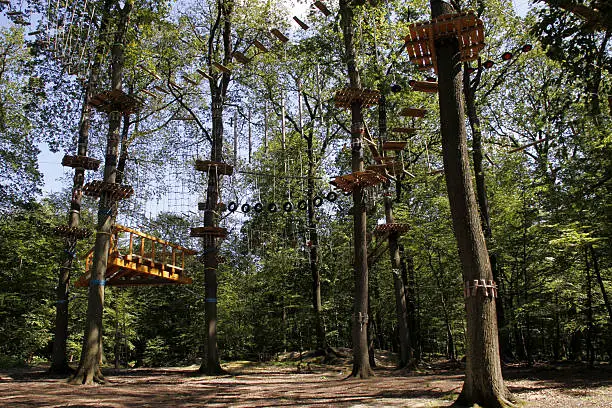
(131, 243)
(142, 246)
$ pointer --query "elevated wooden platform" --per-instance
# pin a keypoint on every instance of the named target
(390, 168)
(216, 232)
(146, 261)
(468, 29)
(117, 191)
(209, 166)
(424, 86)
(115, 101)
(81, 162)
(367, 97)
(351, 181)
(413, 112)
(382, 229)
(75, 232)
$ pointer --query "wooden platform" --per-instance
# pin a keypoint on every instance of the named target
(424, 86)
(115, 101)
(75, 232)
(390, 168)
(97, 188)
(365, 178)
(468, 29)
(209, 166)
(81, 162)
(347, 96)
(216, 232)
(394, 145)
(413, 112)
(146, 261)
(382, 229)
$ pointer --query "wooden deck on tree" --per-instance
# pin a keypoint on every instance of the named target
(147, 260)
(424, 86)
(393, 145)
(75, 232)
(117, 191)
(347, 96)
(413, 112)
(209, 166)
(382, 229)
(389, 168)
(468, 29)
(351, 181)
(115, 101)
(81, 162)
(215, 232)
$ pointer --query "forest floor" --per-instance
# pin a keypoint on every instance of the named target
(275, 384)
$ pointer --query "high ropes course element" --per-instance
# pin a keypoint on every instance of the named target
(147, 260)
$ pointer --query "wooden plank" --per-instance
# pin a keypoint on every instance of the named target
(282, 37)
(203, 73)
(322, 7)
(260, 46)
(301, 23)
(221, 67)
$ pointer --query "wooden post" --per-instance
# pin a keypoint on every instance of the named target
(131, 243)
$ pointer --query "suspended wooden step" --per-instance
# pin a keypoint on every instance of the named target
(394, 145)
(175, 85)
(148, 71)
(351, 181)
(151, 94)
(302, 24)
(468, 29)
(115, 101)
(189, 80)
(81, 162)
(117, 191)
(404, 130)
(240, 57)
(221, 67)
(147, 260)
(424, 86)
(347, 96)
(260, 46)
(322, 7)
(74, 232)
(281, 37)
(211, 167)
(162, 90)
(413, 112)
(391, 228)
(203, 73)
(215, 232)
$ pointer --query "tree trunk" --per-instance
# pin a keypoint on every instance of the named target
(589, 310)
(361, 364)
(483, 378)
(59, 362)
(218, 89)
(89, 366)
(412, 317)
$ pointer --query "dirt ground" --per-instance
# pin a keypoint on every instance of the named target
(282, 384)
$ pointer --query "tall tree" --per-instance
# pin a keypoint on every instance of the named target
(483, 383)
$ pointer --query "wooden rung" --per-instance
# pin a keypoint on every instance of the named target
(282, 37)
(151, 94)
(189, 80)
(424, 86)
(381, 229)
(216, 232)
(404, 130)
(117, 191)
(351, 181)
(301, 23)
(162, 90)
(413, 112)
(115, 101)
(260, 46)
(240, 57)
(322, 7)
(221, 67)
(394, 145)
(153, 74)
(83, 162)
(211, 167)
(347, 96)
(203, 73)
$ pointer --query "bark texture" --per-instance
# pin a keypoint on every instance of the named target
(361, 364)
(483, 383)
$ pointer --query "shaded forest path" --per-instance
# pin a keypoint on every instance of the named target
(270, 384)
